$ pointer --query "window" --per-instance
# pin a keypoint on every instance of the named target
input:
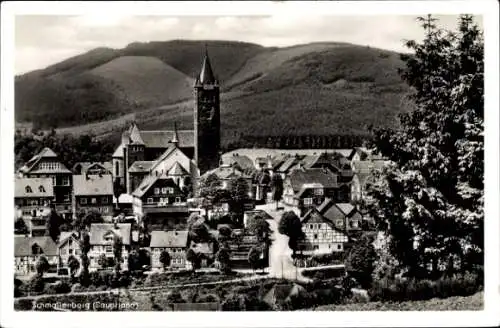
(93, 200)
(177, 199)
(117, 169)
(109, 249)
(28, 190)
(315, 247)
(34, 202)
(70, 251)
(311, 226)
(315, 236)
(170, 190)
(105, 200)
(41, 189)
(340, 223)
(65, 181)
(150, 200)
(66, 197)
(308, 201)
(318, 191)
(54, 181)
(339, 247)
(157, 191)
(83, 200)
(163, 190)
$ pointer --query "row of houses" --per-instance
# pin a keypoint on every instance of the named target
(28, 250)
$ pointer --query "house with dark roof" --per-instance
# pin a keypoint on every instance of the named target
(102, 237)
(92, 168)
(46, 164)
(321, 236)
(162, 201)
(32, 196)
(93, 193)
(307, 188)
(344, 216)
(363, 173)
(241, 162)
(28, 250)
(174, 242)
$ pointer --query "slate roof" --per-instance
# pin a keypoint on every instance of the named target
(23, 245)
(65, 235)
(244, 162)
(287, 164)
(141, 166)
(146, 183)
(21, 184)
(169, 238)
(162, 139)
(118, 151)
(206, 73)
(45, 153)
(177, 169)
(99, 230)
(84, 166)
(324, 177)
(90, 185)
(224, 173)
(346, 208)
(307, 186)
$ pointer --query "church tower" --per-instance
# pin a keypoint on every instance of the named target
(206, 118)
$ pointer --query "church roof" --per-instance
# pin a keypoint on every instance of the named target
(206, 74)
(161, 139)
(177, 169)
(135, 135)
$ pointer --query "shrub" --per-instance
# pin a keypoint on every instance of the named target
(50, 289)
(399, 290)
(23, 305)
(36, 285)
(62, 287)
(77, 288)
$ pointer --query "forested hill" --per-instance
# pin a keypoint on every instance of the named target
(318, 88)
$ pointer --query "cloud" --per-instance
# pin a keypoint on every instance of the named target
(44, 40)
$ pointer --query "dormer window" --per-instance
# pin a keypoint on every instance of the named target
(36, 250)
(41, 189)
(28, 190)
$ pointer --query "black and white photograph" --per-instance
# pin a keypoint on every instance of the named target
(271, 156)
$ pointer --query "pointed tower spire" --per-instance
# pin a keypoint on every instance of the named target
(175, 138)
(206, 74)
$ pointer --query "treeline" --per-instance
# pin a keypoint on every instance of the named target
(337, 141)
(71, 149)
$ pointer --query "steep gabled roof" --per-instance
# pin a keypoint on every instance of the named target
(206, 73)
(40, 187)
(324, 177)
(141, 166)
(177, 169)
(146, 183)
(45, 153)
(23, 246)
(346, 208)
(244, 162)
(89, 185)
(65, 236)
(163, 139)
(135, 135)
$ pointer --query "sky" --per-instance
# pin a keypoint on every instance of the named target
(42, 40)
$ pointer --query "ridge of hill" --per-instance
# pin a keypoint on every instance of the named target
(318, 88)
